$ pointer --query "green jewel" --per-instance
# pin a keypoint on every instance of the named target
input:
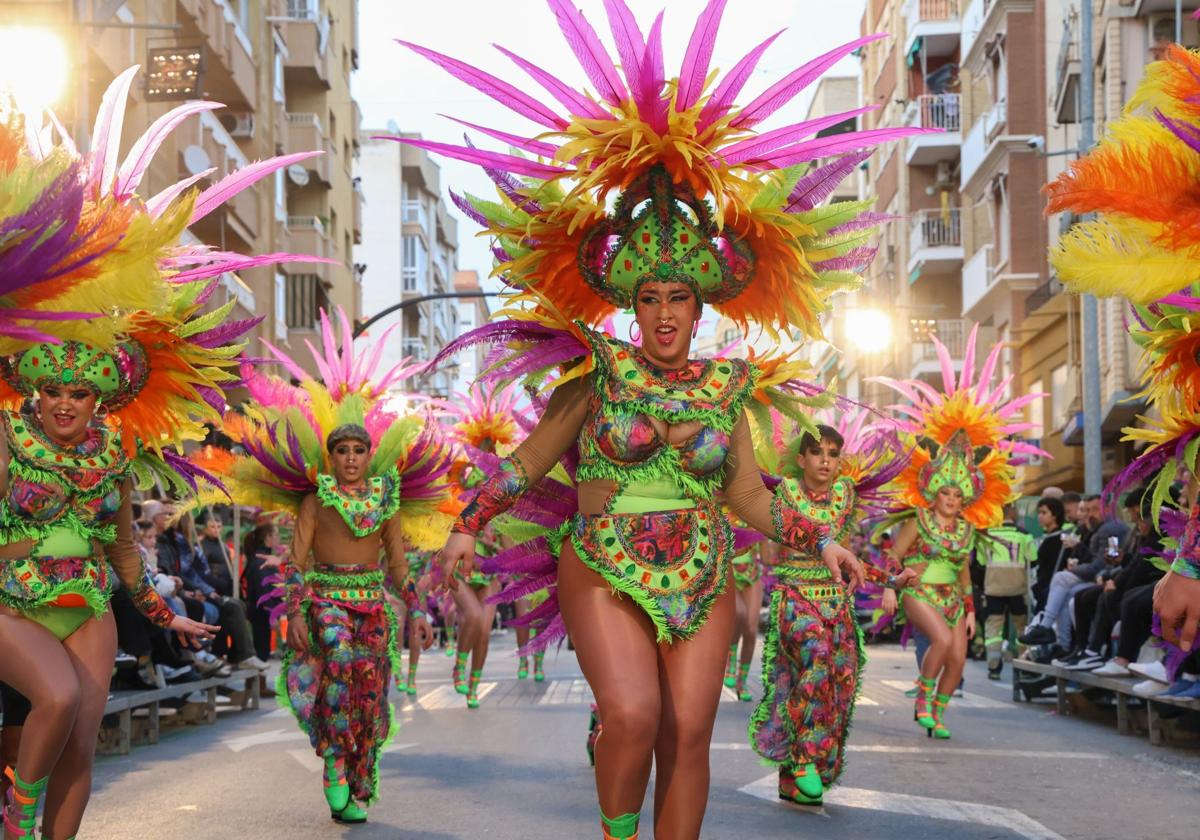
(663, 270)
(68, 376)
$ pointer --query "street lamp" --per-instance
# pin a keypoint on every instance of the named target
(33, 67)
(869, 329)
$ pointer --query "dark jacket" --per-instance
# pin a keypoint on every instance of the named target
(219, 576)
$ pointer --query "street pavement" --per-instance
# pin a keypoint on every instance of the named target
(516, 768)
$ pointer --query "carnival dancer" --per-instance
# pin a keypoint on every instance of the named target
(360, 479)
(487, 423)
(1140, 181)
(747, 569)
(709, 213)
(419, 567)
(955, 488)
(814, 654)
(108, 367)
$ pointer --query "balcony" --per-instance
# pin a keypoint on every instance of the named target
(305, 134)
(986, 280)
(935, 242)
(413, 213)
(933, 25)
(952, 332)
(229, 54)
(941, 111)
(1066, 88)
(986, 144)
(356, 214)
(414, 348)
(1042, 295)
(306, 30)
(307, 235)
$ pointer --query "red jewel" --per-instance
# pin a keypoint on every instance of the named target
(645, 577)
(704, 266)
(645, 239)
(106, 372)
(629, 265)
(683, 238)
(35, 361)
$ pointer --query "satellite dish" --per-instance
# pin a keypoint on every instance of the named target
(195, 160)
(298, 174)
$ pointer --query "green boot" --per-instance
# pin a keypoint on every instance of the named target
(624, 827)
(743, 674)
(460, 671)
(939, 709)
(473, 690)
(412, 679)
(352, 813)
(337, 792)
(20, 814)
(731, 667)
(539, 671)
(523, 668)
(921, 711)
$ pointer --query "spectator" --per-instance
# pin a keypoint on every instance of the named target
(216, 555)
(1051, 515)
(1073, 512)
(263, 555)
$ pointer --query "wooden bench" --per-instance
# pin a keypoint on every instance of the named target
(1121, 687)
(123, 703)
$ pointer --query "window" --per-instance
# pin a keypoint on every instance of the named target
(1037, 411)
(414, 262)
(303, 301)
(281, 302)
(280, 196)
(332, 128)
(1058, 396)
(280, 94)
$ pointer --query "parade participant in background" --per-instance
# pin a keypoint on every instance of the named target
(956, 486)
(487, 423)
(1140, 181)
(709, 213)
(1005, 589)
(420, 564)
(814, 653)
(748, 579)
(109, 366)
(360, 479)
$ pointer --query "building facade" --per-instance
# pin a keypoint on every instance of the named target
(282, 70)
(407, 254)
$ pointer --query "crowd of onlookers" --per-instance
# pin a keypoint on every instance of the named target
(1093, 589)
(200, 573)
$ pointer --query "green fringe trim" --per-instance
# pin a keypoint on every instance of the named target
(595, 466)
(28, 471)
(389, 501)
(623, 586)
(15, 528)
(354, 580)
(97, 600)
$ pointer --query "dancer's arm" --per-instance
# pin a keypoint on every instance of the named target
(301, 562)
(555, 432)
(773, 515)
(397, 565)
(968, 596)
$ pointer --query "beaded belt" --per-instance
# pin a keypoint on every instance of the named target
(346, 583)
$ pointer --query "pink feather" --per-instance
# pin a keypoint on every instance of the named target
(212, 268)
(835, 145)
(1019, 403)
(593, 58)
(730, 86)
(106, 136)
(498, 89)
(156, 205)
(143, 151)
(699, 52)
(989, 366)
(497, 160)
(631, 44)
(286, 360)
(235, 182)
(771, 140)
(574, 101)
(947, 363)
(654, 78)
(786, 89)
(968, 371)
(535, 147)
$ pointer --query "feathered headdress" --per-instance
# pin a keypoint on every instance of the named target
(283, 429)
(487, 417)
(963, 436)
(704, 198)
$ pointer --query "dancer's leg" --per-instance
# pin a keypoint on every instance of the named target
(751, 598)
(487, 617)
(691, 689)
(470, 620)
(92, 649)
(615, 644)
(37, 665)
(926, 619)
(956, 659)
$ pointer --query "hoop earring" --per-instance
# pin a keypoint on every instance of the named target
(101, 411)
(634, 339)
(695, 327)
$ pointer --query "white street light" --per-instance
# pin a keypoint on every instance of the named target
(33, 67)
(869, 329)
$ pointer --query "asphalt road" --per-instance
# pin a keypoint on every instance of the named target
(516, 768)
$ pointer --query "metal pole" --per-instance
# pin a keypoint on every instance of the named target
(235, 565)
(82, 106)
(1178, 21)
(1093, 461)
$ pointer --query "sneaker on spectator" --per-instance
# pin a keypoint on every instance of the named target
(170, 673)
(1037, 634)
(1111, 668)
(1180, 687)
(252, 664)
(208, 666)
(196, 697)
(1084, 661)
(1192, 693)
(124, 659)
(1149, 688)
(1070, 659)
(1151, 670)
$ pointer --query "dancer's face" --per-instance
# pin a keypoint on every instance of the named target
(66, 412)
(666, 313)
(948, 502)
(820, 463)
(349, 459)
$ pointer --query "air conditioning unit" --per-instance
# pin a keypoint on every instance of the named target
(1161, 30)
(238, 123)
(944, 177)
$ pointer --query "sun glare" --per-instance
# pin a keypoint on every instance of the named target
(33, 67)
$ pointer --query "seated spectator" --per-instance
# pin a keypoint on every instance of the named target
(264, 553)
(1051, 515)
(219, 573)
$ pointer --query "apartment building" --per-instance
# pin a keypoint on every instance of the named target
(469, 313)
(408, 253)
(282, 69)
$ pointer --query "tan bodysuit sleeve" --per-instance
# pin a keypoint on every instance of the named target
(395, 551)
(559, 427)
(744, 490)
(125, 560)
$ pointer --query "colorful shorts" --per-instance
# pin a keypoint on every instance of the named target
(943, 597)
(813, 657)
(746, 570)
(338, 688)
(672, 563)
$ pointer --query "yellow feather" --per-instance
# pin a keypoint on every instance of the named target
(1113, 256)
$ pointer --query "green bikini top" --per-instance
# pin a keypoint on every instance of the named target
(363, 512)
(620, 443)
(944, 552)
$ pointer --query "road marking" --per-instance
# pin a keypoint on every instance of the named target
(258, 739)
(311, 762)
(767, 788)
(736, 746)
(865, 701)
(967, 701)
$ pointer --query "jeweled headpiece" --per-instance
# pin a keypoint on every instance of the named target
(71, 364)
(952, 465)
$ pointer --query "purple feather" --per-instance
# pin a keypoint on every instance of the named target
(508, 185)
(1187, 132)
(754, 147)
(534, 147)
(855, 260)
(863, 221)
(819, 184)
(226, 333)
(506, 163)
(469, 211)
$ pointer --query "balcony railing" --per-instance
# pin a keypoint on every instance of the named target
(931, 10)
(936, 229)
(939, 110)
(415, 349)
(952, 332)
(1042, 295)
(414, 211)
